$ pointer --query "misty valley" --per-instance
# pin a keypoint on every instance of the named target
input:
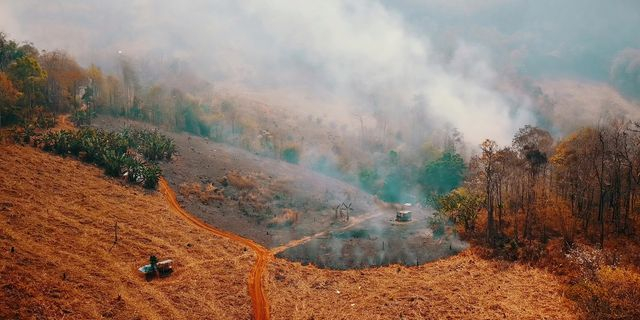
(333, 160)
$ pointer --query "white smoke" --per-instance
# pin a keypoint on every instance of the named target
(350, 49)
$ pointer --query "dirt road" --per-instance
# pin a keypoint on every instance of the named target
(263, 255)
(256, 289)
(352, 223)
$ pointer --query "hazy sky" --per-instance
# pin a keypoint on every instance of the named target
(374, 54)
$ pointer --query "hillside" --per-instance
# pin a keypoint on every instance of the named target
(59, 215)
(459, 287)
(250, 195)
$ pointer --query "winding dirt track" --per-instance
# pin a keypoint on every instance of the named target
(263, 255)
(352, 223)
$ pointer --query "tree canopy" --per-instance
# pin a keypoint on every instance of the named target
(443, 174)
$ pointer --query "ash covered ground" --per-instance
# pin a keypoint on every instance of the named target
(375, 242)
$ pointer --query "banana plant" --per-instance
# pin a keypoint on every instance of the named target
(113, 163)
(151, 175)
(118, 153)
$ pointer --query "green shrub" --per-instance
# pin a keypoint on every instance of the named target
(82, 117)
(115, 152)
(61, 142)
(291, 155)
(25, 135)
(157, 147)
(152, 144)
(151, 176)
(133, 170)
(113, 163)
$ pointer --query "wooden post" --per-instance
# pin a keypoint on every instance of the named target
(115, 240)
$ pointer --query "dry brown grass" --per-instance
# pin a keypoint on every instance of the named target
(286, 218)
(460, 287)
(240, 181)
(59, 215)
(205, 193)
(612, 294)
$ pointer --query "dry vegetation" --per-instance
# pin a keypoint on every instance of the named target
(459, 287)
(205, 193)
(240, 181)
(286, 218)
(59, 215)
(613, 293)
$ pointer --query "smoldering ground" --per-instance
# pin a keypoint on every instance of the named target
(377, 241)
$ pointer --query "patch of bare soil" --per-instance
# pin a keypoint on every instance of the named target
(59, 217)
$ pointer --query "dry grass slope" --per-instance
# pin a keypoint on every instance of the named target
(59, 215)
(459, 287)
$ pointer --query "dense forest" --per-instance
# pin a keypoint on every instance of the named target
(569, 205)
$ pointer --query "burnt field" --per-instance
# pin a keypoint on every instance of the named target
(378, 241)
(292, 209)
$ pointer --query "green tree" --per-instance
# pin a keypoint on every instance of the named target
(393, 187)
(461, 206)
(443, 174)
(368, 179)
(27, 76)
(291, 155)
(9, 52)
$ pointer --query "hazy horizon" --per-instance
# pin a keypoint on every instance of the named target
(457, 60)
